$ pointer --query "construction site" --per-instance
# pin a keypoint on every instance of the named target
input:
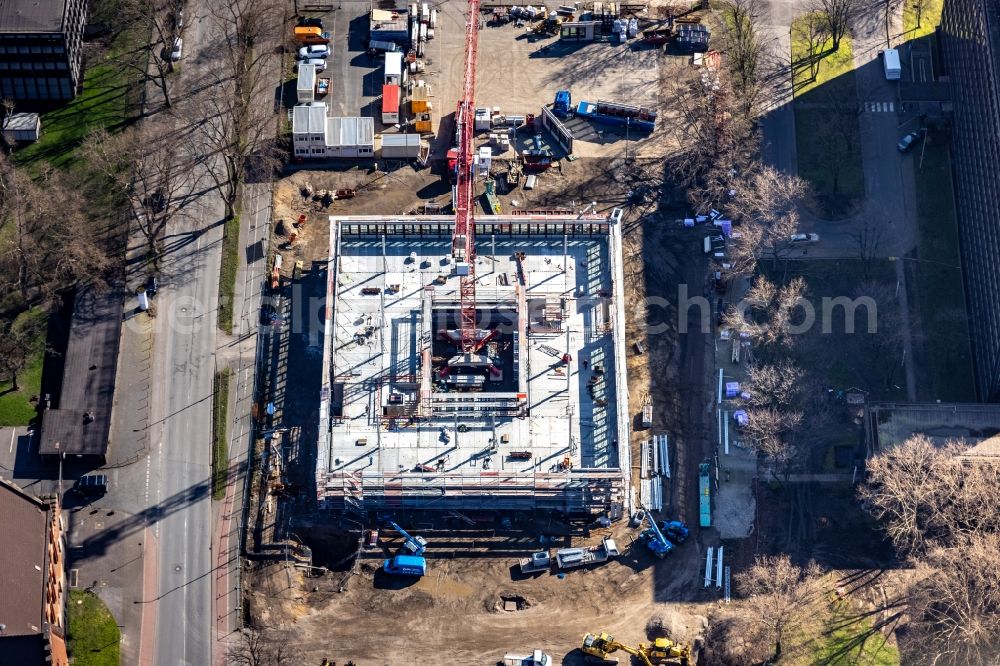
(525, 417)
(474, 445)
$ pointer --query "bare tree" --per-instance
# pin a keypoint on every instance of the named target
(18, 342)
(773, 384)
(838, 16)
(769, 199)
(718, 143)
(159, 19)
(924, 494)
(747, 53)
(955, 604)
(46, 242)
(811, 31)
(768, 313)
(868, 241)
(254, 649)
(236, 125)
(780, 599)
(920, 6)
(147, 166)
(889, 9)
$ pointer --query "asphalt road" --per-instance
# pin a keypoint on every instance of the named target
(181, 410)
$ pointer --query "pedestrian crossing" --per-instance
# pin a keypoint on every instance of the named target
(877, 107)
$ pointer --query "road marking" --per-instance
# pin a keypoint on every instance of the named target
(12, 433)
(149, 461)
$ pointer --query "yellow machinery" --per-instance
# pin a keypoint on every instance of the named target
(603, 644)
(662, 651)
(666, 651)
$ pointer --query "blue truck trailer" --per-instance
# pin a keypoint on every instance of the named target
(638, 118)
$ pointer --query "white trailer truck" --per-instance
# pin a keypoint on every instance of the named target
(536, 658)
(569, 558)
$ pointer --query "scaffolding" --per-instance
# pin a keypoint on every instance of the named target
(573, 491)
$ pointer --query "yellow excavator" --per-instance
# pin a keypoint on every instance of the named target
(662, 651)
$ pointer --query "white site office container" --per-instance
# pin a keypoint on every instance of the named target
(394, 72)
(400, 146)
(305, 88)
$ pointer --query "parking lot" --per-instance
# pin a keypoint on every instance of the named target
(517, 72)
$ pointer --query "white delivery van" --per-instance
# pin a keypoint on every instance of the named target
(890, 60)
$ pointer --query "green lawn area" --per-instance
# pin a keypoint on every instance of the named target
(850, 640)
(227, 274)
(102, 103)
(220, 448)
(831, 66)
(15, 406)
(15, 409)
(946, 369)
(930, 17)
(93, 633)
(827, 136)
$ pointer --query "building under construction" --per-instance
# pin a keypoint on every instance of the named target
(527, 409)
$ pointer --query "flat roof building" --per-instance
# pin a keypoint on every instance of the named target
(79, 422)
(40, 48)
(315, 135)
(536, 418)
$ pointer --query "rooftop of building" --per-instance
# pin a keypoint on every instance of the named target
(31, 15)
(402, 403)
(972, 423)
(81, 419)
(23, 522)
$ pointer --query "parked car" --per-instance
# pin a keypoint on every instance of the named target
(174, 54)
(92, 484)
(314, 51)
(311, 23)
(798, 239)
(319, 62)
(179, 19)
(637, 518)
(151, 286)
(908, 142)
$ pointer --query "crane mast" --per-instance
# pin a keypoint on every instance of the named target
(463, 241)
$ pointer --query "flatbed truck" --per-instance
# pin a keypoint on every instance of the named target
(570, 558)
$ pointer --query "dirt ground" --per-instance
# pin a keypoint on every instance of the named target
(457, 609)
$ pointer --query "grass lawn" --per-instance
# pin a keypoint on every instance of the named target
(93, 633)
(827, 136)
(220, 448)
(15, 406)
(850, 640)
(930, 17)
(101, 104)
(227, 273)
(946, 370)
(835, 67)
(15, 410)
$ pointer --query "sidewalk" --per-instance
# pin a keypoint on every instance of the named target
(241, 356)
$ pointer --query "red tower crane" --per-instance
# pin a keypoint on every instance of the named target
(463, 240)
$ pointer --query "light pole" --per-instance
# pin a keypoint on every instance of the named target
(925, 261)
